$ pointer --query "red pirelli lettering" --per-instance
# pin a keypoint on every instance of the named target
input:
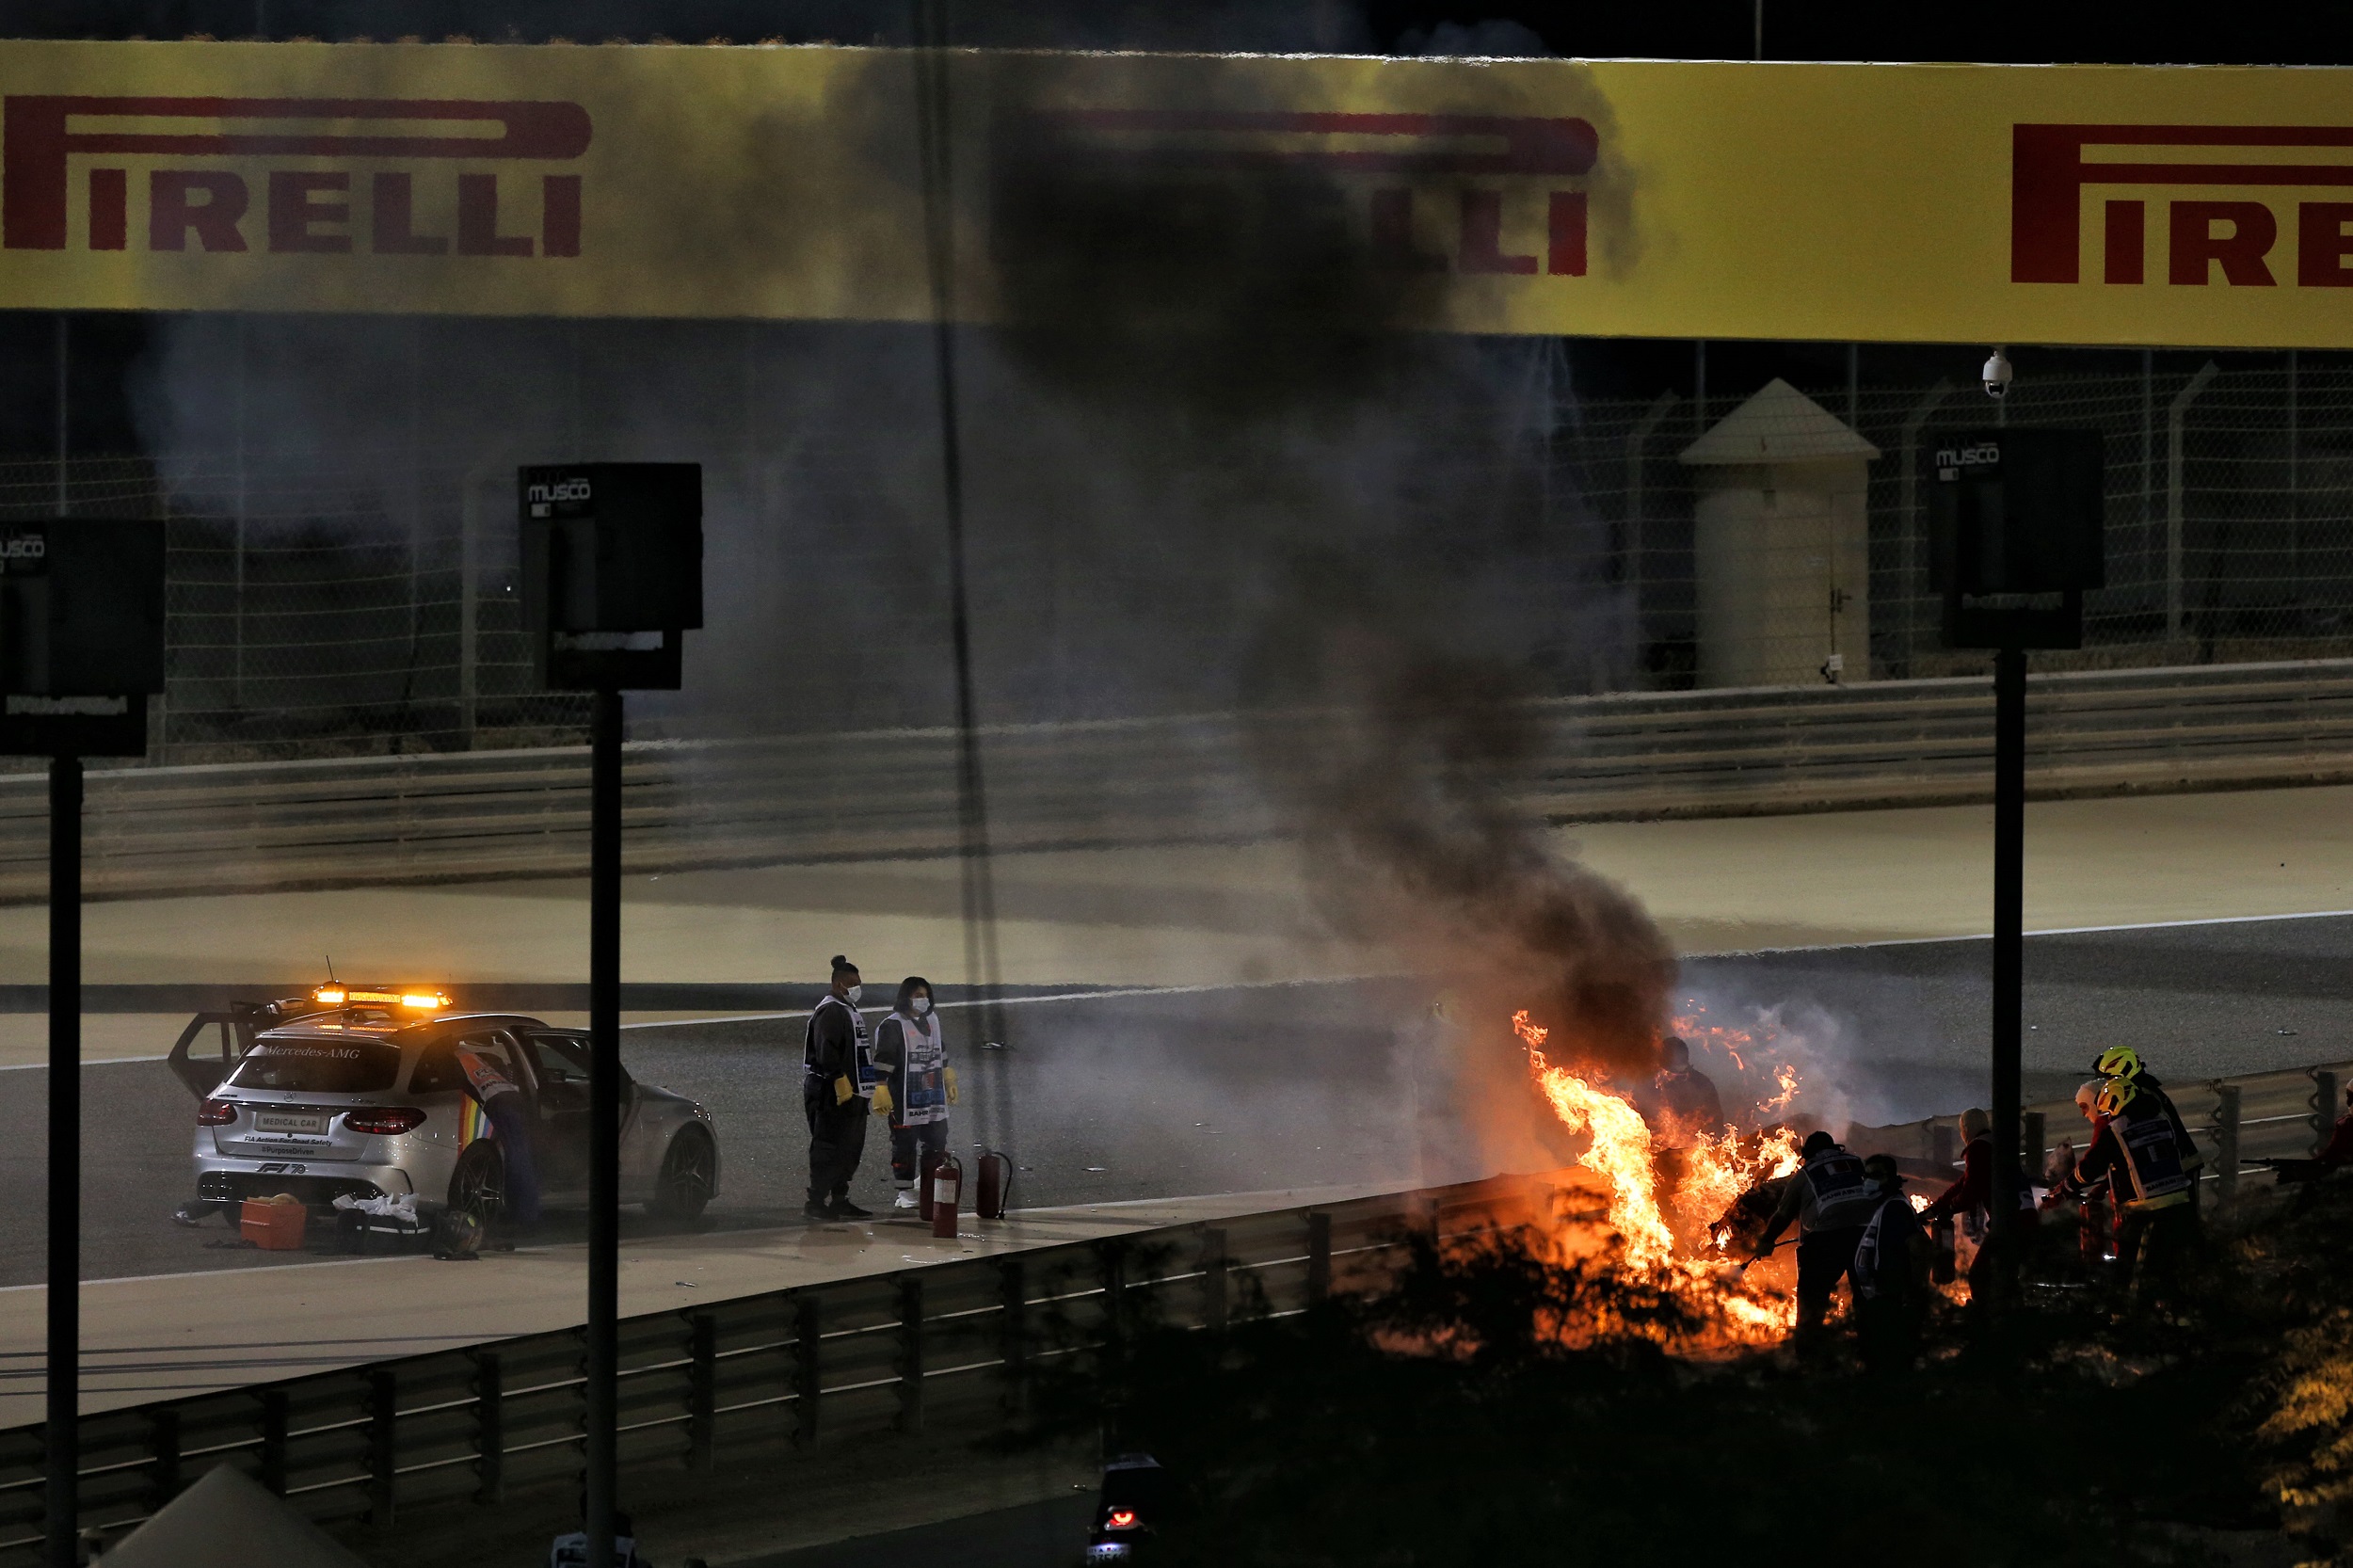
(35, 141)
(174, 212)
(2049, 174)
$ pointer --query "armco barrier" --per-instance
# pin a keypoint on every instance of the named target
(438, 817)
(941, 1347)
(2276, 1116)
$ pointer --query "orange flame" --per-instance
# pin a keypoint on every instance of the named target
(1715, 1173)
(1740, 1044)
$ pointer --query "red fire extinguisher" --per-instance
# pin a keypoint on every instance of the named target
(925, 1163)
(993, 1179)
(947, 1186)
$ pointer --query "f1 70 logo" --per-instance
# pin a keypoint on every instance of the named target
(2229, 227)
(189, 194)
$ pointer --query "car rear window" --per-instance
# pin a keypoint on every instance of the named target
(319, 1067)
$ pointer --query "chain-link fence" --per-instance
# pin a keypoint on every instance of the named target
(313, 623)
(367, 602)
(2230, 512)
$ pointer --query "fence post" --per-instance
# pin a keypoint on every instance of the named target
(1113, 1258)
(2226, 1104)
(2176, 413)
(489, 1429)
(1318, 1257)
(470, 555)
(1013, 1332)
(163, 1440)
(274, 1440)
(2324, 1107)
(1636, 475)
(910, 1354)
(383, 1444)
(1908, 508)
(806, 1319)
(1213, 1300)
(702, 1388)
(2033, 1145)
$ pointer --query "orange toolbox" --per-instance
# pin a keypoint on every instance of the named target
(273, 1224)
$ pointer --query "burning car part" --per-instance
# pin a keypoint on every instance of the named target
(1718, 1178)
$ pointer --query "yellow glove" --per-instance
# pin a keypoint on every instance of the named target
(952, 1086)
(882, 1100)
(842, 1090)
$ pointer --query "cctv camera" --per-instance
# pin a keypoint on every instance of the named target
(1997, 374)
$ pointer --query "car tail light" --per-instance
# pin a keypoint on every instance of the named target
(385, 1122)
(215, 1113)
(1120, 1519)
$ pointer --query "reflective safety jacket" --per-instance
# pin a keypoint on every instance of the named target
(2138, 1155)
(1891, 1259)
(484, 1078)
(2193, 1158)
(837, 1046)
(912, 1056)
(1829, 1193)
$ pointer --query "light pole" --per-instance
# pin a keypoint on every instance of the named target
(612, 558)
(81, 648)
(2015, 525)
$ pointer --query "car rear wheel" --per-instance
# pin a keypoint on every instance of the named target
(478, 1185)
(690, 1175)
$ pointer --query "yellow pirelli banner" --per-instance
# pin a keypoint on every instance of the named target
(2092, 205)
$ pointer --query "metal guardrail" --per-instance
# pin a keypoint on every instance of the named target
(944, 1346)
(2276, 1116)
(359, 821)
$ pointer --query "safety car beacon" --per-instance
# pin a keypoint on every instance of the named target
(947, 1188)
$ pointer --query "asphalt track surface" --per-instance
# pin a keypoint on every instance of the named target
(1149, 1095)
(1050, 1534)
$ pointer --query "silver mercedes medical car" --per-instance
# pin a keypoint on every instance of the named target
(366, 1097)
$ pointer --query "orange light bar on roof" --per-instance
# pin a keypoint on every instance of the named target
(415, 1000)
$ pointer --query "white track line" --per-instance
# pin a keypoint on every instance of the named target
(2040, 931)
(87, 1061)
(1350, 980)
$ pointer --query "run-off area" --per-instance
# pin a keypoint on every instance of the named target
(1160, 1094)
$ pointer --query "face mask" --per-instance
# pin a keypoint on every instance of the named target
(923, 1005)
(855, 993)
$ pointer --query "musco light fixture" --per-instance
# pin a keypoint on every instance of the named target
(2016, 523)
(81, 636)
(2014, 530)
(613, 572)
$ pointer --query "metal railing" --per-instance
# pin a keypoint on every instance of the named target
(944, 1346)
(359, 821)
(2276, 1116)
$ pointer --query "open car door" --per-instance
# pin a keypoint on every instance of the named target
(215, 1043)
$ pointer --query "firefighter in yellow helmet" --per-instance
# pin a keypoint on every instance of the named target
(2125, 1063)
(2137, 1153)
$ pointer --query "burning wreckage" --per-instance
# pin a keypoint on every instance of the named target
(1685, 1198)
